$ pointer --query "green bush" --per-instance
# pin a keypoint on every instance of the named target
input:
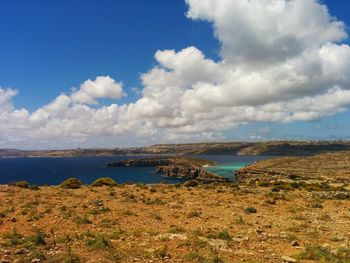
(105, 181)
(250, 210)
(71, 183)
(22, 184)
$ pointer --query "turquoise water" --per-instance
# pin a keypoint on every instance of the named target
(226, 170)
(227, 164)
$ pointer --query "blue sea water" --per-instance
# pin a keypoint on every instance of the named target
(53, 171)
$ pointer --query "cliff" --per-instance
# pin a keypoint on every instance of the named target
(177, 167)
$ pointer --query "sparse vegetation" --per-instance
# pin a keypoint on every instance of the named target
(250, 210)
(22, 184)
(177, 223)
(105, 181)
(71, 183)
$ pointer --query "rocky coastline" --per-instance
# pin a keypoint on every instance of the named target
(175, 167)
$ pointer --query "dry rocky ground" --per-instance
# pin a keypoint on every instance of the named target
(297, 220)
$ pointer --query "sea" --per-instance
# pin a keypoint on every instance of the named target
(53, 171)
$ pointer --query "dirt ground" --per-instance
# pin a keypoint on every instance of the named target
(174, 223)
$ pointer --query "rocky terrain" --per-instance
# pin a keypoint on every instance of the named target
(333, 167)
(290, 148)
(300, 215)
(178, 167)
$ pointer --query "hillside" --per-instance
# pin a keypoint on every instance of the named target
(221, 148)
(300, 213)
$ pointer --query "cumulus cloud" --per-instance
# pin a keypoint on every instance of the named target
(101, 87)
(281, 61)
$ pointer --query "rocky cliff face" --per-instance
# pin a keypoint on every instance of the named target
(186, 168)
(190, 172)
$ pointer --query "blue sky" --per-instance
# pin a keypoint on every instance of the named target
(48, 47)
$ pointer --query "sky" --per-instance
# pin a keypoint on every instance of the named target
(132, 73)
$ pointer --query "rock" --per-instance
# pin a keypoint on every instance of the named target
(176, 167)
(20, 251)
(5, 261)
(259, 231)
(7, 252)
(14, 219)
(326, 246)
(35, 260)
(286, 259)
(295, 243)
(219, 244)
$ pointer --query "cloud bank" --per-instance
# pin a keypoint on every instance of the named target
(281, 61)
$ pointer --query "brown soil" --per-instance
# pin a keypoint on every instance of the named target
(170, 223)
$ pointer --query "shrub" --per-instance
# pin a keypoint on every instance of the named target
(191, 183)
(38, 238)
(194, 256)
(320, 254)
(22, 184)
(100, 242)
(82, 220)
(194, 214)
(250, 210)
(71, 183)
(13, 238)
(34, 187)
(105, 181)
(224, 235)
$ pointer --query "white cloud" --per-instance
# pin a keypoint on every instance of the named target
(101, 87)
(281, 61)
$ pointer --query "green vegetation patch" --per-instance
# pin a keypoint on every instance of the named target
(71, 183)
(105, 181)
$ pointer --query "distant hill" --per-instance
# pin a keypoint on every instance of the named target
(220, 148)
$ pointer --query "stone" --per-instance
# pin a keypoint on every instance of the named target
(286, 259)
(295, 243)
(326, 246)
(20, 251)
(35, 260)
(14, 219)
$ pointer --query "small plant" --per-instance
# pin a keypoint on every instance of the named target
(194, 256)
(153, 190)
(224, 235)
(194, 214)
(317, 205)
(250, 210)
(22, 184)
(104, 181)
(38, 238)
(71, 183)
(34, 187)
(321, 254)
(157, 216)
(13, 238)
(191, 183)
(162, 252)
(99, 242)
(176, 230)
(82, 220)
(129, 213)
